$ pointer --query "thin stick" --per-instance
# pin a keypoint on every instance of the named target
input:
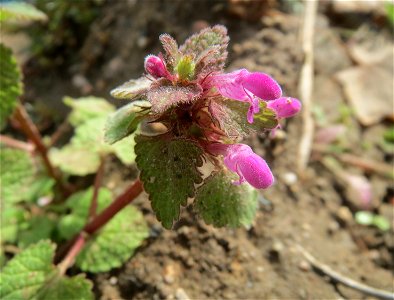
(13, 143)
(306, 86)
(381, 294)
(30, 130)
(77, 243)
(97, 184)
(365, 164)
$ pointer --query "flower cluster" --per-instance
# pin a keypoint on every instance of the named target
(190, 93)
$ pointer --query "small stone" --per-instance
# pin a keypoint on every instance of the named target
(344, 215)
(333, 227)
(113, 280)
(180, 294)
(304, 266)
(290, 178)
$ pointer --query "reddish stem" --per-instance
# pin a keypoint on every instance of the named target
(13, 143)
(99, 221)
(30, 130)
(97, 184)
(121, 201)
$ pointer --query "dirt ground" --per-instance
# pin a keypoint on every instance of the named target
(314, 209)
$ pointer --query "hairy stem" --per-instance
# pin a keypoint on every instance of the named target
(30, 130)
(97, 184)
(98, 222)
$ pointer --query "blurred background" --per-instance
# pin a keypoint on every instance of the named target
(339, 207)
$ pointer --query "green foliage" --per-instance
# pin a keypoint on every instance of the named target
(79, 204)
(169, 172)
(390, 12)
(20, 11)
(207, 38)
(12, 217)
(115, 243)
(36, 229)
(16, 174)
(124, 121)
(370, 219)
(221, 203)
(230, 116)
(185, 68)
(131, 88)
(164, 97)
(82, 155)
(10, 82)
(265, 118)
(389, 135)
(87, 108)
(31, 275)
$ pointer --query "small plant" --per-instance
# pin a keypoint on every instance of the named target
(206, 113)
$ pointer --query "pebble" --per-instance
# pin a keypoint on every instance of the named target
(113, 280)
(290, 178)
(304, 266)
(180, 294)
(344, 214)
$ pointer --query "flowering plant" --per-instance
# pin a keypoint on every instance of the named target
(206, 113)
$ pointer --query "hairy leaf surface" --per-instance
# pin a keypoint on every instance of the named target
(31, 275)
(164, 97)
(131, 88)
(169, 173)
(221, 203)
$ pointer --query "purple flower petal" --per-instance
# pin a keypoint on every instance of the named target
(262, 85)
(155, 66)
(230, 85)
(250, 167)
(285, 107)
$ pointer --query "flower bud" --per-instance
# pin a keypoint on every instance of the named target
(285, 107)
(155, 66)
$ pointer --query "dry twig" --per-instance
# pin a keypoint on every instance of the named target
(343, 279)
(306, 85)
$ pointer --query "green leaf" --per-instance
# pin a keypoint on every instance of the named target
(221, 203)
(169, 172)
(20, 11)
(31, 275)
(215, 36)
(389, 135)
(82, 155)
(364, 217)
(381, 222)
(164, 97)
(16, 174)
(79, 204)
(390, 12)
(10, 83)
(24, 275)
(75, 160)
(38, 228)
(87, 108)
(124, 121)
(266, 118)
(115, 243)
(64, 288)
(41, 187)
(131, 88)
(11, 219)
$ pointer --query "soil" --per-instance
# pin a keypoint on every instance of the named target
(313, 209)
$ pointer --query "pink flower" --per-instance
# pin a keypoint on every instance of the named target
(285, 107)
(241, 159)
(249, 87)
(155, 66)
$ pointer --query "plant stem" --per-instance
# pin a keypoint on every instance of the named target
(97, 184)
(13, 143)
(30, 130)
(98, 222)
(121, 201)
